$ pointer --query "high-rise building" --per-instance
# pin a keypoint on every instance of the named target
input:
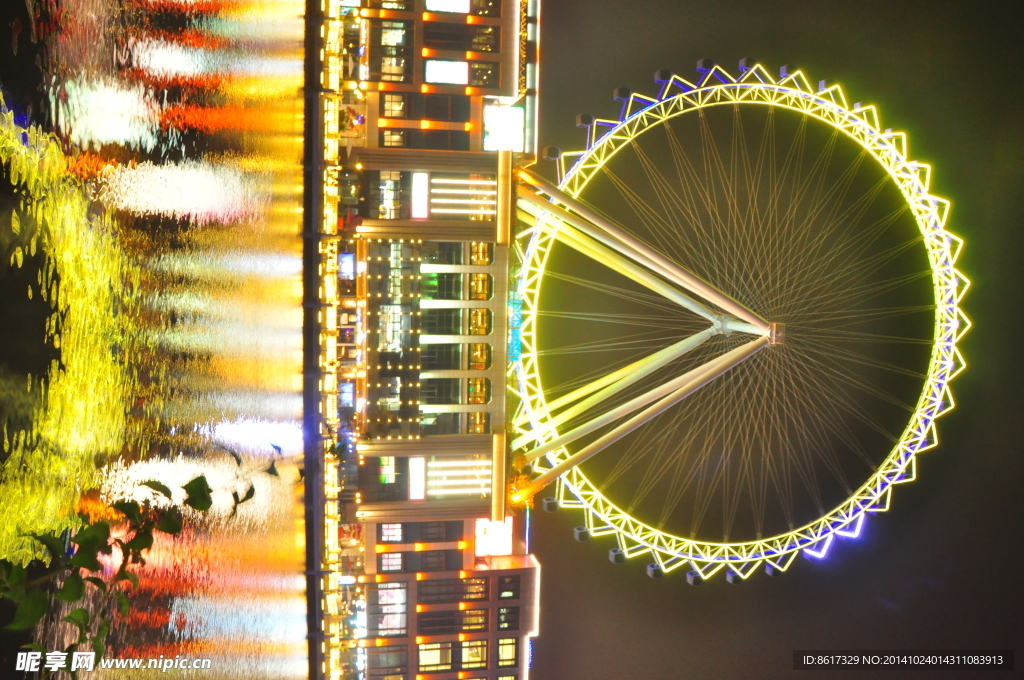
(428, 106)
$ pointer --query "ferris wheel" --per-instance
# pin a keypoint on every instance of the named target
(740, 312)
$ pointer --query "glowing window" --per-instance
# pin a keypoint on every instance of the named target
(447, 72)
(458, 6)
(391, 561)
(480, 321)
(479, 356)
(480, 286)
(479, 390)
(474, 654)
(391, 533)
(504, 128)
(435, 656)
(392, 69)
(508, 618)
(508, 652)
(478, 422)
(394, 138)
(508, 587)
(394, 106)
(480, 253)
(420, 195)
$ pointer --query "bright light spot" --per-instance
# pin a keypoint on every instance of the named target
(97, 113)
(258, 436)
(504, 128)
(417, 478)
(493, 538)
(202, 191)
(459, 6)
(452, 72)
(420, 195)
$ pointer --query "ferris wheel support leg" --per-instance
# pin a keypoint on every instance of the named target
(694, 380)
(639, 251)
(608, 257)
(627, 376)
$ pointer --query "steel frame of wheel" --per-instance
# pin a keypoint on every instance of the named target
(828, 104)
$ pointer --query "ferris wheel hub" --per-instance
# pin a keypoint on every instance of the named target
(776, 333)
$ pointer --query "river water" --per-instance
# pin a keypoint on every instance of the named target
(151, 287)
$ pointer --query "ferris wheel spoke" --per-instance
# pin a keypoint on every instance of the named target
(600, 229)
(601, 390)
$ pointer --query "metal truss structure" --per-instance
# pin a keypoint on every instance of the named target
(552, 214)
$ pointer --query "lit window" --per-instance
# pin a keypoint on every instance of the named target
(479, 422)
(500, 677)
(435, 656)
(479, 390)
(480, 322)
(417, 478)
(479, 356)
(480, 253)
(394, 138)
(392, 69)
(391, 561)
(508, 618)
(394, 106)
(447, 72)
(391, 533)
(420, 195)
(504, 128)
(508, 652)
(483, 74)
(458, 6)
(393, 34)
(508, 587)
(480, 286)
(474, 654)
(387, 470)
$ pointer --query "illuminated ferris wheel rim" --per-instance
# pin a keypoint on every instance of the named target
(828, 104)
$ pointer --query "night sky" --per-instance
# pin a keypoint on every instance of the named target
(941, 569)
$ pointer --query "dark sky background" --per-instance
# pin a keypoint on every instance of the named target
(942, 569)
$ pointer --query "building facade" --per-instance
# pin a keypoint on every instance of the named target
(428, 106)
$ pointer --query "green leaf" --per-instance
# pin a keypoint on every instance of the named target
(86, 560)
(127, 576)
(158, 486)
(129, 509)
(143, 540)
(54, 545)
(98, 582)
(199, 493)
(17, 575)
(170, 522)
(93, 537)
(34, 647)
(72, 590)
(78, 618)
(28, 613)
(122, 603)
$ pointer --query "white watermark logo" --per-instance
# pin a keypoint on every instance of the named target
(86, 661)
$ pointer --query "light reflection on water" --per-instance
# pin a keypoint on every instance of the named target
(192, 114)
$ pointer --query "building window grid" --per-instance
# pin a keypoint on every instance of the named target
(435, 657)
(508, 618)
(508, 652)
(391, 562)
(474, 654)
(391, 533)
(394, 105)
(393, 138)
